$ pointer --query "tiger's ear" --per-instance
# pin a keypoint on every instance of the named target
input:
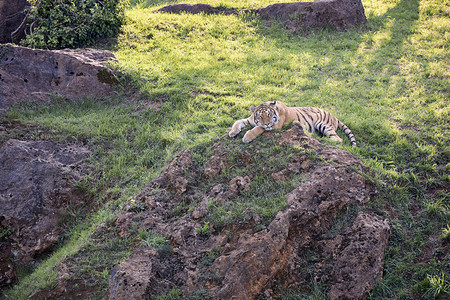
(273, 102)
(252, 108)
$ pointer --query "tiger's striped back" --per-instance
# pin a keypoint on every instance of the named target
(319, 121)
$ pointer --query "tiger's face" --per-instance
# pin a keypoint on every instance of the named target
(266, 115)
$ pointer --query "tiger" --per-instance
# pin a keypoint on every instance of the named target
(275, 114)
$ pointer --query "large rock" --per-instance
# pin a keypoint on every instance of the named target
(36, 186)
(132, 279)
(355, 257)
(144, 274)
(35, 75)
(297, 16)
(11, 16)
(340, 14)
(240, 262)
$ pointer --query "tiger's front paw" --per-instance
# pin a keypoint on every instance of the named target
(247, 139)
(237, 127)
(233, 133)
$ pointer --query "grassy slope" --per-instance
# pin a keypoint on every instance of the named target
(388, 82)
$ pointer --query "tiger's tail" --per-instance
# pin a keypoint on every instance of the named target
(347, 132)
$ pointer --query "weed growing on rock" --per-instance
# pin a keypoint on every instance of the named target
(4, 232)
(204, 230)
(438, 286)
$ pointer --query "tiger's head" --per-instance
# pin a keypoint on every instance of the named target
(266, 115)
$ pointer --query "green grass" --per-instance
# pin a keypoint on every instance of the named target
(263, 196)
(439, 286)
(191, 76)
(156, 241)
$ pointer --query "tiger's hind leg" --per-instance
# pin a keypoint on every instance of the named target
(329, 131)
(298, 124)
(335, 137)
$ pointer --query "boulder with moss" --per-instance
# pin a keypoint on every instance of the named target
(37, 75)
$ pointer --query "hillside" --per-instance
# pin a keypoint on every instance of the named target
(184, 80)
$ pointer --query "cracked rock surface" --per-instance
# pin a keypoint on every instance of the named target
(36, 75)
(36, 186)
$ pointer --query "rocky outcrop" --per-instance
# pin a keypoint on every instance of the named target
(11, 16)
(145, 274)
(355, 257)
(249, 260)
(296, 16)
(36, 186)
(35, 75)
(132, 279)
(340, 14)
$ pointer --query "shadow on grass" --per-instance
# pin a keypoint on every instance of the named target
(403, 16)
(150, 3)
